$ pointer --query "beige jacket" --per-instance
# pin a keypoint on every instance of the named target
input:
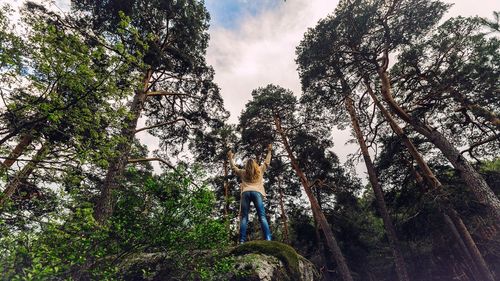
(252, 186)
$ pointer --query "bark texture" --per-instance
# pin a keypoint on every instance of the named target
(103, 208)
(24, 173)
(283, 213)
(379, 195)
(318, 214)
(471, 177)
(21, 146)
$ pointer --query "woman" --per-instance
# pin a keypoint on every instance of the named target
(252, 190)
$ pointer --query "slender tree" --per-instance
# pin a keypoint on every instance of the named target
(174, 87)
(275, 106)
(323, 80)
(450, 215)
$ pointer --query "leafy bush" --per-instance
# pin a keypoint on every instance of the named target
(168, 214)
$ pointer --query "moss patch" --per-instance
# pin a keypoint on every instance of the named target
(279, 250)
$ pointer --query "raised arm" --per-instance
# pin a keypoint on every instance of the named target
(267, 161)
(230, 156)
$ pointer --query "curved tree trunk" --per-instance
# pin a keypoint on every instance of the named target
(449, 213)
(377, 190)
(24, 173)
(318, 214)
(471, 177)
(23, 143)
(103, 208)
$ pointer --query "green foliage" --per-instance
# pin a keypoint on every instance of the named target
(257, 120)
(491, 166)
(11, 46)
(167, 214)
(67, 82)
(56, 250)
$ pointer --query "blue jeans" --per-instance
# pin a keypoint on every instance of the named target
(256, 198)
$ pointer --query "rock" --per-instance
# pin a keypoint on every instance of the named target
(270, 260)
(252, 261)
(145, 266)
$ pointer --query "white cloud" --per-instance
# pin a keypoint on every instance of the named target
(468, 8)
(262, 51)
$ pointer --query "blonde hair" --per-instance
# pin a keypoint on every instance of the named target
(252, 171)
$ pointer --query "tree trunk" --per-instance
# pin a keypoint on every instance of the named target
(449, 213)
(471, 245)
(226, 189)
(283, 213)
(377, 190)
(24, 142)
(227, 220)
(471, 177)
(25, 172)
(330, 238)
(103, 208)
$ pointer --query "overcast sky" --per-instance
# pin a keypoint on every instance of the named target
(253, 44)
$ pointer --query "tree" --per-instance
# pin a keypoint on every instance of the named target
(64, 104)
(210, 148)
(276, 106)
(391, 26)
(174, 88)
(326, 86)
(458, 79)
(360, 33)
(450, 215)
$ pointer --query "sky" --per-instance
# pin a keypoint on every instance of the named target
(252, 44)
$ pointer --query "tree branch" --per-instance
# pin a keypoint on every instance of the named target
(138, 160)
(165, 93)
(492, 138)
(160, 125)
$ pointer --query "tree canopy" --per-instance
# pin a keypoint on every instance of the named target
(80, 198)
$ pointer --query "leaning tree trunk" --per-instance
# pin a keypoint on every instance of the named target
(472, 269)
(318, 214)
(379, 195)
(25, 172)
(21, 146)
(103, 208)
(283, 213)
(469, 260)
(471, 177)
(449, 213)
(478, 259)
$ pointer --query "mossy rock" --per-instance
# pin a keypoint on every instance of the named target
(283, 252)
(258, 267)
